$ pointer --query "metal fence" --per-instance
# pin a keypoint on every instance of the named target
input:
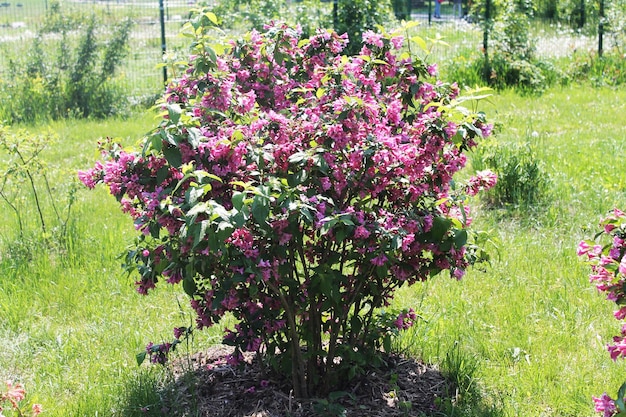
(157, 24)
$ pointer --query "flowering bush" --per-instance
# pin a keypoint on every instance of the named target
(608, 273)
(297, 189)
(10, 402)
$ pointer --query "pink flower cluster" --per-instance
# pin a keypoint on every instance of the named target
(605, 405)
(608, 274)
(405, 319)
(295, 188)
(483, 180)
(11, 398)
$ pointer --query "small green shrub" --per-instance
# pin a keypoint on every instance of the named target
(609, 69)
(522, 181)
(355, 17)
(42, 208)
(67, 71)
(509, 59)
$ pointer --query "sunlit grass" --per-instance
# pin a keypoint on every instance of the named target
(533, 321)
(71, 321)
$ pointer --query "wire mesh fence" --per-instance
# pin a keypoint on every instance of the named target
(156, 24)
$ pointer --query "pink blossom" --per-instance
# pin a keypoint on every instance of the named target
(605, 405)
(379, 260)
(37, 409)
(622, 266)
(583, 248)
(361, 233)
(483, 180)
(15, 393)
(618, 348)
(373, 38)
(397, 42)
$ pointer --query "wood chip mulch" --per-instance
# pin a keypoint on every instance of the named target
(204, 385)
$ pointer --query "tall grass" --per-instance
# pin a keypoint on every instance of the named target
(532, 321)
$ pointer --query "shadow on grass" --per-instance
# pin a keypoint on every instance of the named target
(465, 397)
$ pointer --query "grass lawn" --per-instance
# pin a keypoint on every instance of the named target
(528, 332)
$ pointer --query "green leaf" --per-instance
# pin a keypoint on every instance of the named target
(200, 232)
(440, 227)
(212, 55)
(306, 213)
(162, 174)
(174, 112)
(194, 136)
(387, 343)
(173, 156)
(340, 235)
(237, 199)
(355, 324)
(381, 271)
(329, 223)
(212, 17)
(420, 42)
(298, 157)
(460, 238)
(141, 357)
(260, 209)
(297, 178)
(189, 285)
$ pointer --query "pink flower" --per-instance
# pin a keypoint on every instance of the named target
(622, 266)
(483, 180)
(379, 260)
(37, 409)
(618, 349)
(15, 393)
(397, 42)
(583, 248)
(604, 405)
(373, 38)
(361, 233)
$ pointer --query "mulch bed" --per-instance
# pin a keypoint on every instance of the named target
(205, 386)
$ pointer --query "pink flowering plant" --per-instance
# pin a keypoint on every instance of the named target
(11, 399)
(297, 189)
(608, 272)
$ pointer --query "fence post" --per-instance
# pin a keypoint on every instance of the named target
(163, 44)
(486, 30)
(430, 12)
(601, 29)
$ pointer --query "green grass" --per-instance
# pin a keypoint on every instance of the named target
(70, 320)
(532, 321)
(525, 337)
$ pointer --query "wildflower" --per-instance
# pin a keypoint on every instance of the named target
(361, 233)
(483, 180)
(379, 260)
(37, 409)
(604, 405)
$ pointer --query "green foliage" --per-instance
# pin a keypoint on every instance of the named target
(607, 70)
(62, 76)
(402, 9)
(509, 60)
(254, 14)
(522, 180)
(27, 192)
(355, 17)
(615, 25)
